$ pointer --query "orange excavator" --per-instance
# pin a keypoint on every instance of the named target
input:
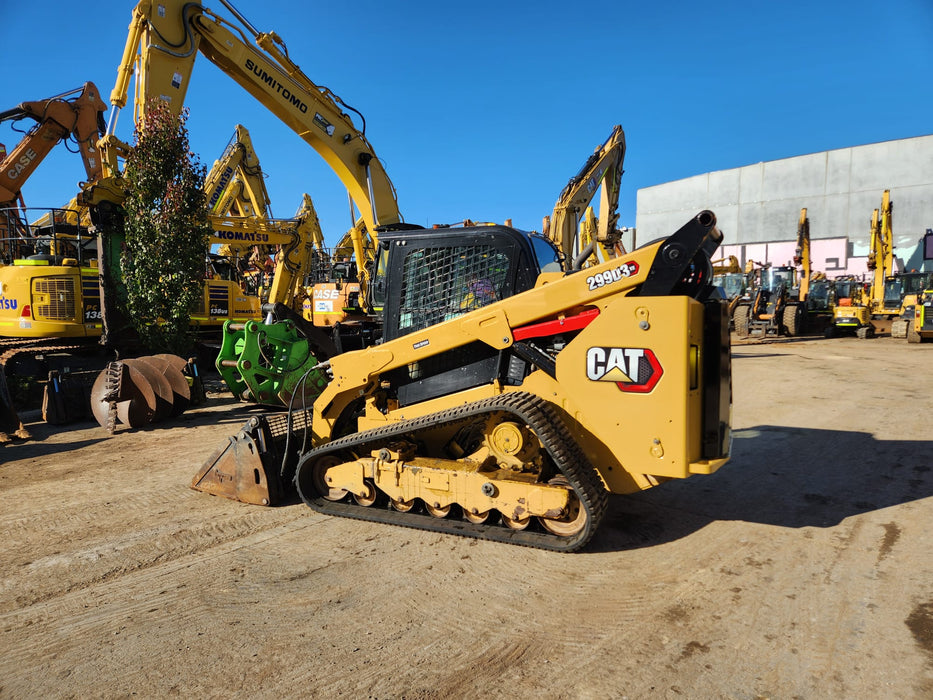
(78, 114)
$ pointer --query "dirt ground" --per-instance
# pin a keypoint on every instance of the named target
(802, 569)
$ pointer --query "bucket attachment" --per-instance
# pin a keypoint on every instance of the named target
(257, 465)
(236, 470)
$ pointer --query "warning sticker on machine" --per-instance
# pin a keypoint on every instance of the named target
(325, 125)
(634, 370)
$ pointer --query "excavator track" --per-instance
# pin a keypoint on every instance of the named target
(10, 348)
(538, 415)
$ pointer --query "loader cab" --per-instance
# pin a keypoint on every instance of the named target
(907, 284)
(774, 278)
(428, 276)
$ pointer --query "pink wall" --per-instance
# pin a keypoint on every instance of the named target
(828, 255)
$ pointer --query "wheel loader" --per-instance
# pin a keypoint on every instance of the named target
(507, 398)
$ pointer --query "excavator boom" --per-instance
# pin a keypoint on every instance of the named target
(602, 172)
(164, 43)
(78, 114)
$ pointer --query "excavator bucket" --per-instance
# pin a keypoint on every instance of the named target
(257, 465)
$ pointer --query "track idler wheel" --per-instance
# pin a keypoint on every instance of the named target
(573, 521)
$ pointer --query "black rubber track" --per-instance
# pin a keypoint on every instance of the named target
(539, 415)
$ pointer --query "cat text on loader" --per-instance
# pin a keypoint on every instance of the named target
(514, 420)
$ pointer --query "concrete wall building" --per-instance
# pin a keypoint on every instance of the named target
(758, 206)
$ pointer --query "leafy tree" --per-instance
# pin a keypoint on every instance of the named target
(167, 229)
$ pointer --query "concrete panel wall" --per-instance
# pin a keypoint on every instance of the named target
(761, 203)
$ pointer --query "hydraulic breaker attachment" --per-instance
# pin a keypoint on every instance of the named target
(257, 465)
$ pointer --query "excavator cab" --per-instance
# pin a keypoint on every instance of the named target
(906, 284)
(818, 300)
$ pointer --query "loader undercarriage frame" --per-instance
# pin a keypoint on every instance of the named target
(547, 495)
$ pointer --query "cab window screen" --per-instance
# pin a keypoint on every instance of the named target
(441, 283)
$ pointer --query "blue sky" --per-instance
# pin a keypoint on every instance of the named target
(484, 110)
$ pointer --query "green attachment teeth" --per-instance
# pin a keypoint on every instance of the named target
(269, 364)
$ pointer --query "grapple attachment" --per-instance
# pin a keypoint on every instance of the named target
(265, 363)
(275, 363)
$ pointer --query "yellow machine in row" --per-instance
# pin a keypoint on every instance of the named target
(235, 184)
(867, 315)
(777, 304)
(47, 267)
(162, 45)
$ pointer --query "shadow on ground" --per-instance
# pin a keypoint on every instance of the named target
(782, 476)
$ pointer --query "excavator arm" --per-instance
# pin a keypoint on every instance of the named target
(802, 254)
(296, 258)
(163, 41)
(235, 182)
(78, 113)
(602, 172)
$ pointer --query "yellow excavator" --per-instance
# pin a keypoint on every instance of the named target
(602, 172)
(778, 303)
(161, 48)
(920, 316)
(866, 315)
